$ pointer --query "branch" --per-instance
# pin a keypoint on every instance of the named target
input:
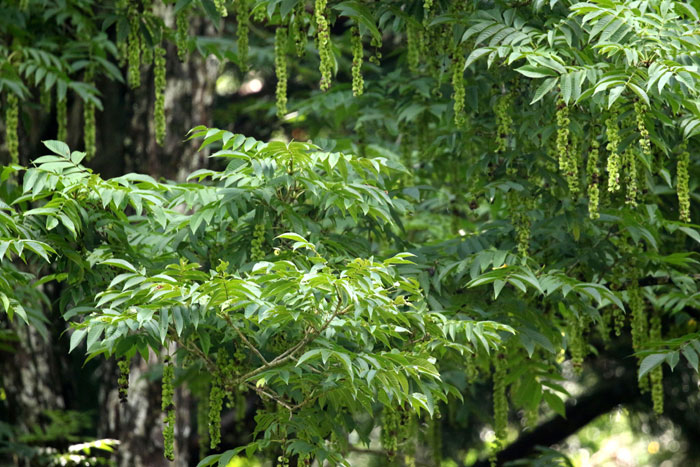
(244, 339)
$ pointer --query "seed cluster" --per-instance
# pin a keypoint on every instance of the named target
(413, 46)
(459, 92)
(123, 381)
(358, 83)
(168, 407)
(159, 84)
(134, 46)
(324, 43)
(11, 124)
(181, 33)
(682, 181)
(657, 374)
(577, 343)
(640, 111)
(281, 70)
(242, 19)
(221, 8)
(614, 162)
(593, 174)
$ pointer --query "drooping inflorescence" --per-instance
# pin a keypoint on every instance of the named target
(62, 118)
(390, 431)
(221, 8)
(281, 70)
(256, 251)
(11, 124)
(299, 34)
(134, 46)
(242, 20)
(358, 83)
(124, 365)
(459, 92)
(614, 160)
(593, 175)
(168, 408)
(640, 111)
(89, 123)
(413, 46)
(504, 121)
(629, 162)
(657, 374)
(500, 403)
(324, 43)
(181, 34)
(682, 184)
(159, 84)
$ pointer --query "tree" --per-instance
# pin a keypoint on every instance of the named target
(492, 197)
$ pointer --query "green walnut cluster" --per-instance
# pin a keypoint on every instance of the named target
(242, 19)
(134, 46)
(281, 70)
(614, 160)
(298, 32)
(181, 34)
(159, 84)
(168, 408)
(358, 83)
(593, 174)
(221, 8)
(282, 461)
(459, 92)
(682, 182)
(504, 121)
(567, 153)
(324, 43)
(11, 124)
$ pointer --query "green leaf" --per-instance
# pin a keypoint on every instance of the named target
(58, 147)
(76, 338)
(650, 362)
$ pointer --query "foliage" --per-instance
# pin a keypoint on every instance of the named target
(519, 174)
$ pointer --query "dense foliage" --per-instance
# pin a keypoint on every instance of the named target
(500, 194)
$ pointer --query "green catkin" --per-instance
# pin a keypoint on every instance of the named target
(121, 6)
(682, 184)
(638, 323)
(593, 175)
(504, 121)
(124, 365)
(640, 111)
(216, 402)
(572, 163)
(298, 32)
(134, 46)
(168, 408)
(629, 159)
(656, 375)
(181, 34)
(146, 54)
(376, 43)
(459, 92)
(11, 124)
(243, 21)
(413, 46)
(324, 43)
(281, 70)
(221, 8)
(390, 431)
(500, 404)
(62, 119)
(562, 135)
(358, 83)
(577, 344)
(159, 84)
(614, 160)
(89, 123)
